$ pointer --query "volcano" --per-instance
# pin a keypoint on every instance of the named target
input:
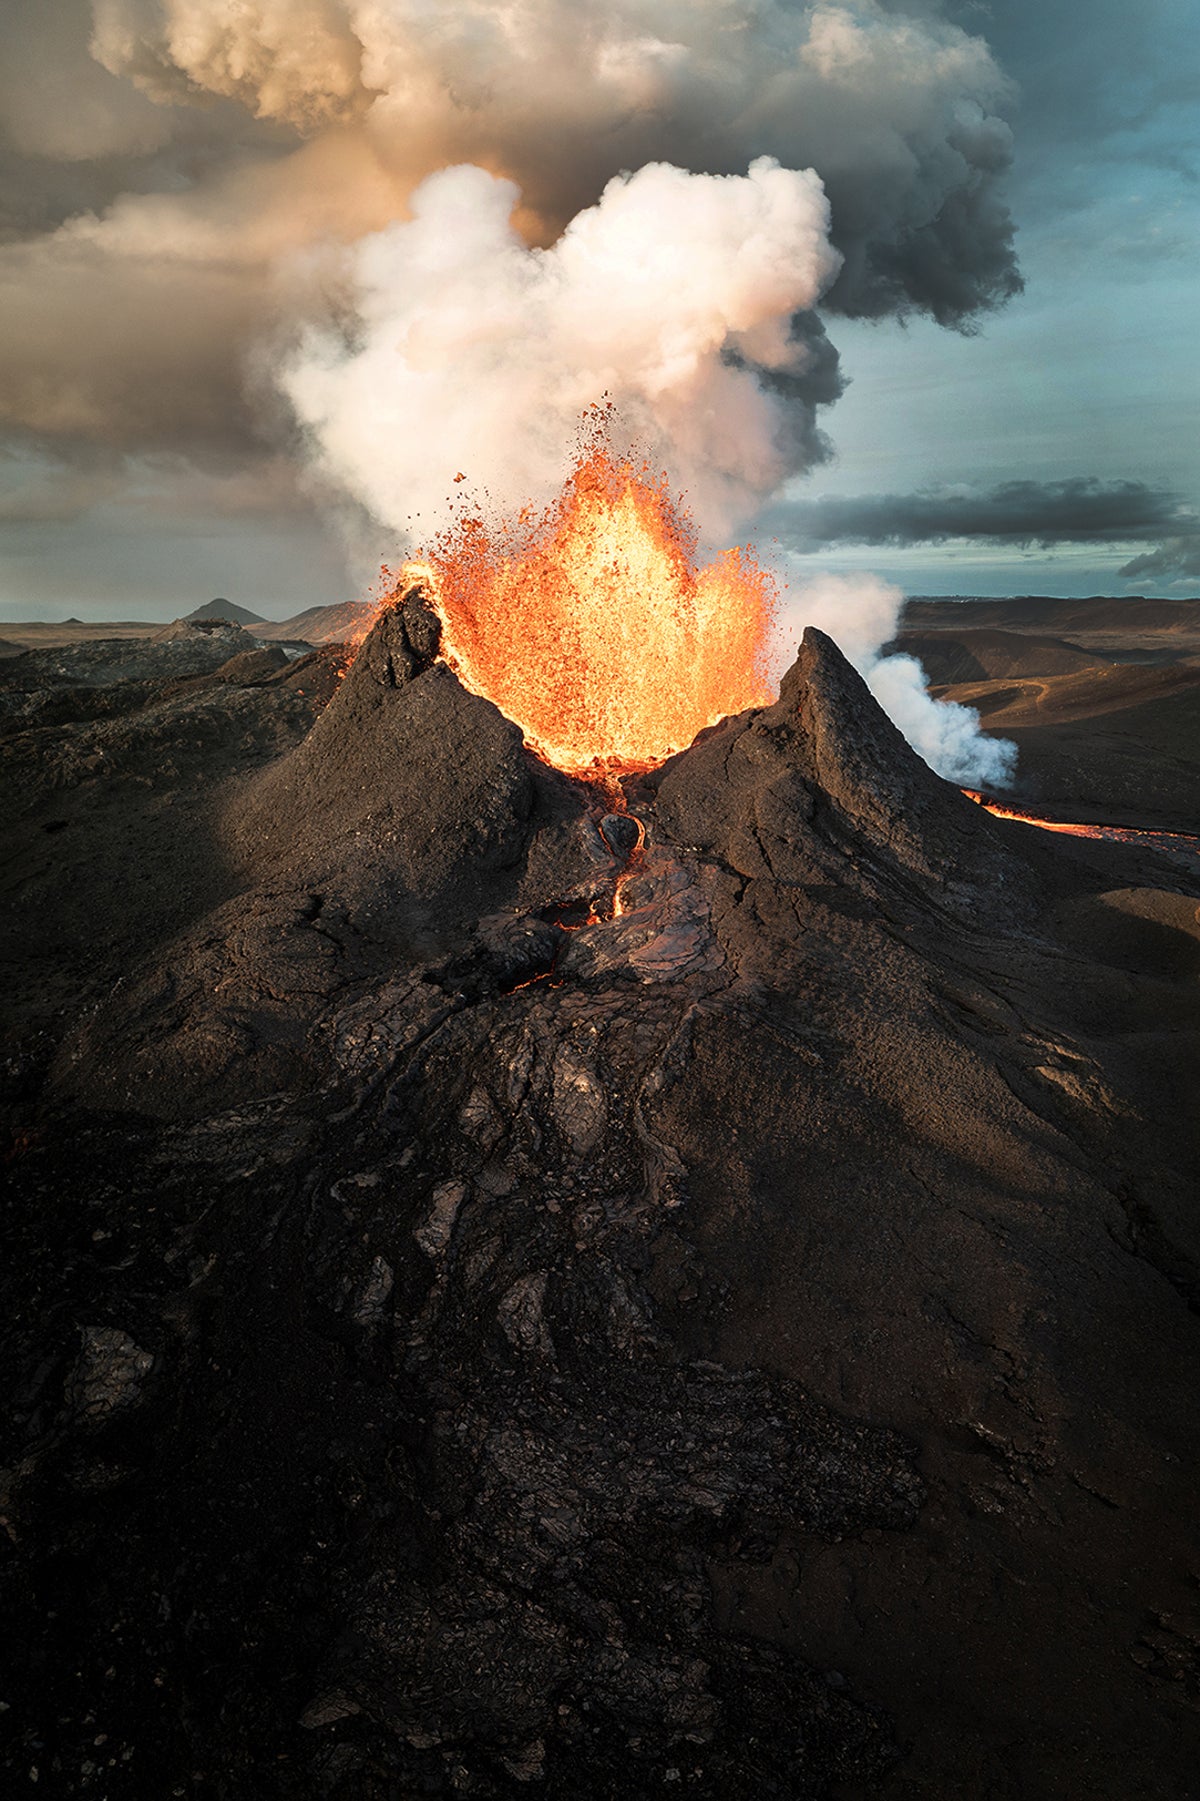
(676, 1282)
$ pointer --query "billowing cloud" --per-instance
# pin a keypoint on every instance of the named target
(674, 295)
(1079, 509)
(74, 138)
(134, 328)
(177, 169)
(1177, 560)
(296, 60)
(57, 101)
(898, 113)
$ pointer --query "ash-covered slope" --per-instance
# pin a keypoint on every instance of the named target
(977, 653)
(406, 781)
(345, 619)
(585, 1318)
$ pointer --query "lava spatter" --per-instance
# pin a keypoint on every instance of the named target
(594, 626)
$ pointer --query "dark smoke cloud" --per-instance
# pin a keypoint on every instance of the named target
(897, 108)
(74, 137)
(165, 169)
(817, 383)
(1080, 509)
(954, 264)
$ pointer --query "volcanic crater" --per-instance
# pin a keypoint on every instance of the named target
(677, 1282)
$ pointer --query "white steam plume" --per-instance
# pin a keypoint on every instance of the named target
(861, 614)
(674, 295)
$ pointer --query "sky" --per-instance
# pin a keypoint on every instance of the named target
(249, 323)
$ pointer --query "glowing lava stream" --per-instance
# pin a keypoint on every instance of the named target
(620, 824)
(632, 854)
(1185, 841)
(593, 626)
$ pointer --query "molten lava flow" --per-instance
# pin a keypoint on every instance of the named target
(1048, 825)
(1115, 833)
(592, 626)
(630, 851)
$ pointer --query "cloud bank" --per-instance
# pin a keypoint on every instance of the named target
(197, 147)
(1079, 509)
(1178, 560)
(898, 111)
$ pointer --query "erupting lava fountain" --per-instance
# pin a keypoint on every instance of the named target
(591, 623)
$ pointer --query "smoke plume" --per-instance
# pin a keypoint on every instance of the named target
(162, 157)
(896, 111)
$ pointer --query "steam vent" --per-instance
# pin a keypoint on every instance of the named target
(668, 1284)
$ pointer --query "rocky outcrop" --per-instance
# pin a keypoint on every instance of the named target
(824, 774)
(250, 666)
(220, 632)
(407, 782)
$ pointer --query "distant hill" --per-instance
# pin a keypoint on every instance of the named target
(979, 655)
(225, 609)
(1099, 622)
(1033, 612)
(324, 625)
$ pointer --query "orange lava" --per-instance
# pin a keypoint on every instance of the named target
(633, 863)
(1047, 825)
(1115, 833)
(592, 625)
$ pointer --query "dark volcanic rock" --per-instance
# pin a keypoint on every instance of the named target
(54, 686)
(562, 1290)
(253, 665)
(196, 632)
(792, 790)
(417, 784)
(109, 1376)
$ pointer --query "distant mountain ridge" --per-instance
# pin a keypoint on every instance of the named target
(1101, 622)
(1060, 616)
